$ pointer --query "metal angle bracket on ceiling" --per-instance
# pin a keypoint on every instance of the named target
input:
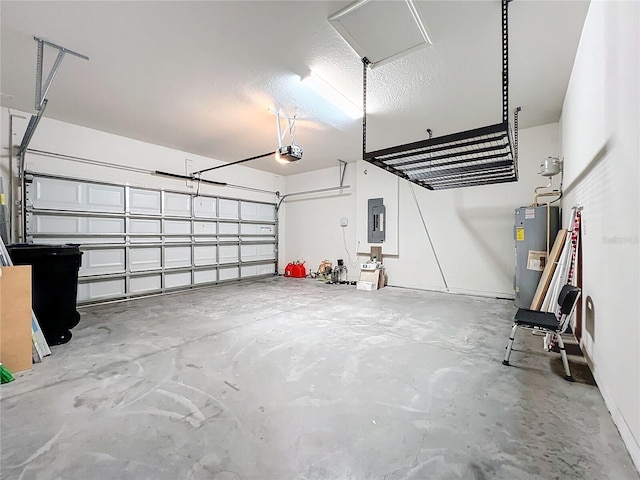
(481, 156)
(42, 90)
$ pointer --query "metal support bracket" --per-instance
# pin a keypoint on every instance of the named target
(365, 67)
(28, 135)
(291, 128)
(343, 170)
(515, 131)
(42, 90)
(505, 61)
(515, 140)
(282, 198)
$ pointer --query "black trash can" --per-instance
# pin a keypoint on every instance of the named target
(54, 281)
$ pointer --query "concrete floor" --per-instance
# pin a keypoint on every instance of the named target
(293, 379)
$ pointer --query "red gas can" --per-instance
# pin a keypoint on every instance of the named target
(299, 271)
(288, 271)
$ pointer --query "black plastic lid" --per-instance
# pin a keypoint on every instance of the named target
(45, 249)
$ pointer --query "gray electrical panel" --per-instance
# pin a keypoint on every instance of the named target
(530, 235)
(376, 223)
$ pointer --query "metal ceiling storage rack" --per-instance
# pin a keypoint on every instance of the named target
(481, 156)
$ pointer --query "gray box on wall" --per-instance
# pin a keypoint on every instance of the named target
(376, 220)
(530, 235)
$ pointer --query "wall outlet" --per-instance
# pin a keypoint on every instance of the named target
(344, 221)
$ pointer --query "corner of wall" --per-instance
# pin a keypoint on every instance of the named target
(626, 433)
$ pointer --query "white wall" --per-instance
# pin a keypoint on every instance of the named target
(601, 149)
(472, 229)
(313, 231)
(64, 138)
(374, 182)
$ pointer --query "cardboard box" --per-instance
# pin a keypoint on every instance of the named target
(15, 318)
(367, 286)
(373, 276)
(376, 252)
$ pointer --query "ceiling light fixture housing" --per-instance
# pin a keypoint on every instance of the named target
(331, 94)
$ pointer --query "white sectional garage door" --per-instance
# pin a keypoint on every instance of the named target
(139, 241)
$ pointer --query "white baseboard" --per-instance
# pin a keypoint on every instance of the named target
(630, 441)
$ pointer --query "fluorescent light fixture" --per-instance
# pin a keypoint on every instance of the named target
(333, 96)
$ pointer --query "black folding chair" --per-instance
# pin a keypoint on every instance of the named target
(548, 323)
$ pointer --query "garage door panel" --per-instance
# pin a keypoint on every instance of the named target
(204, 255)
(257, 232)
(103, 225)
(49, 193)
(204, 207)
(229, 229)
(228, 232)
(143, 225)
(102, 261)
(252, 253)
(229, 209)
(58, 194)
(177, 279)
(101, 289)
(76, 240)
(257, 229)
(257, 211)
(138, 240)
(228, 253)
(205, 276)
(104, 198)
(177, 227)
(177, 204)
(256, 270)
(145, 283)
(148, 258)
(204, 228)
(257, 239)
(83, 292)
(53, 224)
(229, 273)
(63, 224)
(177, 257)
(147, 227)
(144, 201)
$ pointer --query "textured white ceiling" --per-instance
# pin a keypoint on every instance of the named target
(200, 76)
